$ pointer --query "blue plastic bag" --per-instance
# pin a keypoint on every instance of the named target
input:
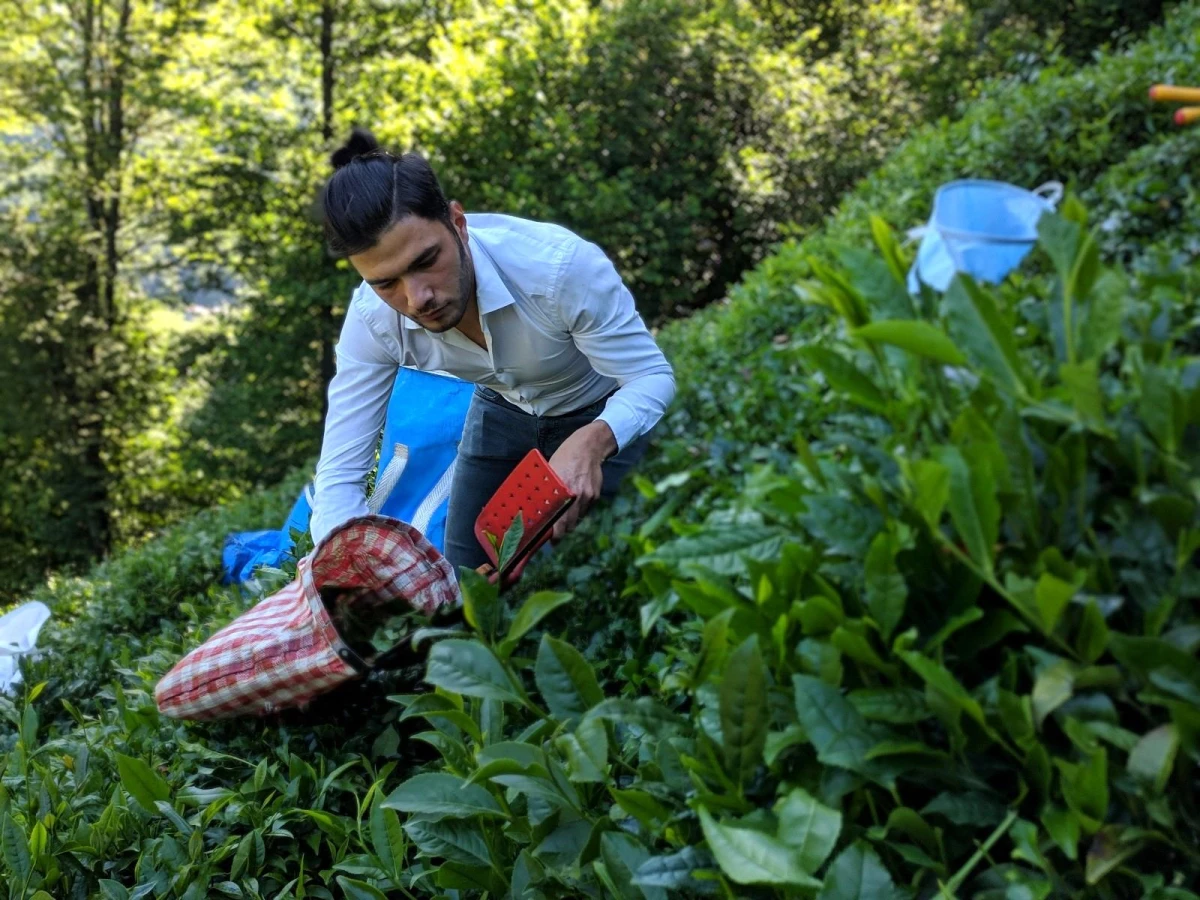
(426, 414)
(982, 228)
(425, 417)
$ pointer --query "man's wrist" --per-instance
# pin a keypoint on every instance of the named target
(600, 439)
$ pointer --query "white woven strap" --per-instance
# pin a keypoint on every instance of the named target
(386, 482)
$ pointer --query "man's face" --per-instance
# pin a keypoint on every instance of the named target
(421, 269)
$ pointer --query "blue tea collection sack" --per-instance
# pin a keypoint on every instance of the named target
(424, 424)
(982, 228)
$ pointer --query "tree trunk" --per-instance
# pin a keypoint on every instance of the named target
(328, 322)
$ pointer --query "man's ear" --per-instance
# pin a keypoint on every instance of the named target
(458, 218)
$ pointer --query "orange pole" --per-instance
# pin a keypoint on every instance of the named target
(1171, 94)
(1187, 115)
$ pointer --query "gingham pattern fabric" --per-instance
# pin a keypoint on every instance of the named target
(374, 561)
(286, 650)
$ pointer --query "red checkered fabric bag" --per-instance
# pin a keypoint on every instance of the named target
(287, 649)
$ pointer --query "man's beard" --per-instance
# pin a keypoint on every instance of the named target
(466, 287)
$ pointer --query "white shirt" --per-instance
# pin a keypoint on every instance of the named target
(561, 331)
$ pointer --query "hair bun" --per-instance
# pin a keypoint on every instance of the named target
(361, 142)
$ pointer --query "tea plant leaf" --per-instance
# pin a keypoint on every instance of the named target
(458, 840)
(1052, 688)
(641, 805)
(1092, 638)
(855, 646)
(743, 710)
(810, 826)
(176, 819)
(889, 247)
(900, 706)
(886, 592)
(779, 741)
(931, 489)
(841, 524)
(468, 878)
(469, 668)
(250, 855)
(858, 874)
(141, 782)
(387, 837)
(919, 338)
(1103, 316)
(1052, 596)
(566, 680)
(644, 713)
(714, 644)
(359, 890)
(29, 727)
(526, 872)
(524, 754)
(535, 608)
(722, 550)
(973, 506)
(1085, 788)
(939, 678)
(512, 541)
(113, 890)
(1161, 408)
(623, 855)
(1063, 828)
(834, 727)
(674, 871)
(1153, 757)
(970, 808)
(562, 846)
(482, 606)
(752, 857)
(433, 796)
(843, 376)
(980, 332)
(1082, 381)
(585, 751)
(15, 847)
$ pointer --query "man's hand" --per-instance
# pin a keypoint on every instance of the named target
(577, 462)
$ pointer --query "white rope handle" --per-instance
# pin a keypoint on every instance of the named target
(386, 482)
(1051, 192)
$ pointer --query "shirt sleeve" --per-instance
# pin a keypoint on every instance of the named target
(598, 311)
(358, 401)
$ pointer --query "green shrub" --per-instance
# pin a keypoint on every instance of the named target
(1070, 126)
(961, 616)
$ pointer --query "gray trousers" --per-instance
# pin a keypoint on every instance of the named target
(497, 436)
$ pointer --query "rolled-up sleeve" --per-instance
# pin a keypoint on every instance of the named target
(358, 401)
(598, 311)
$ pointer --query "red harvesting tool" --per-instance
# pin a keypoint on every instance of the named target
(536, 493)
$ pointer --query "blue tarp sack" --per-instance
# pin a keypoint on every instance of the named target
(425, 417)
(245, 551)
(982, 228)
(424, 424)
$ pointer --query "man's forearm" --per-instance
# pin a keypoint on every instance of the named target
(598, 439)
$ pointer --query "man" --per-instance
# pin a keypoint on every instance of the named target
(535, 316)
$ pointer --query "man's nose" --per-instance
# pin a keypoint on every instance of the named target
(421, 294)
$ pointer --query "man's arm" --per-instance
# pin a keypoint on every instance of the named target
(358, 401)
(598, 311)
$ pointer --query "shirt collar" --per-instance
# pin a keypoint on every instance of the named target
(491, 292)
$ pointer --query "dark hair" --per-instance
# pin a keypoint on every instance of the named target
(372, 189)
